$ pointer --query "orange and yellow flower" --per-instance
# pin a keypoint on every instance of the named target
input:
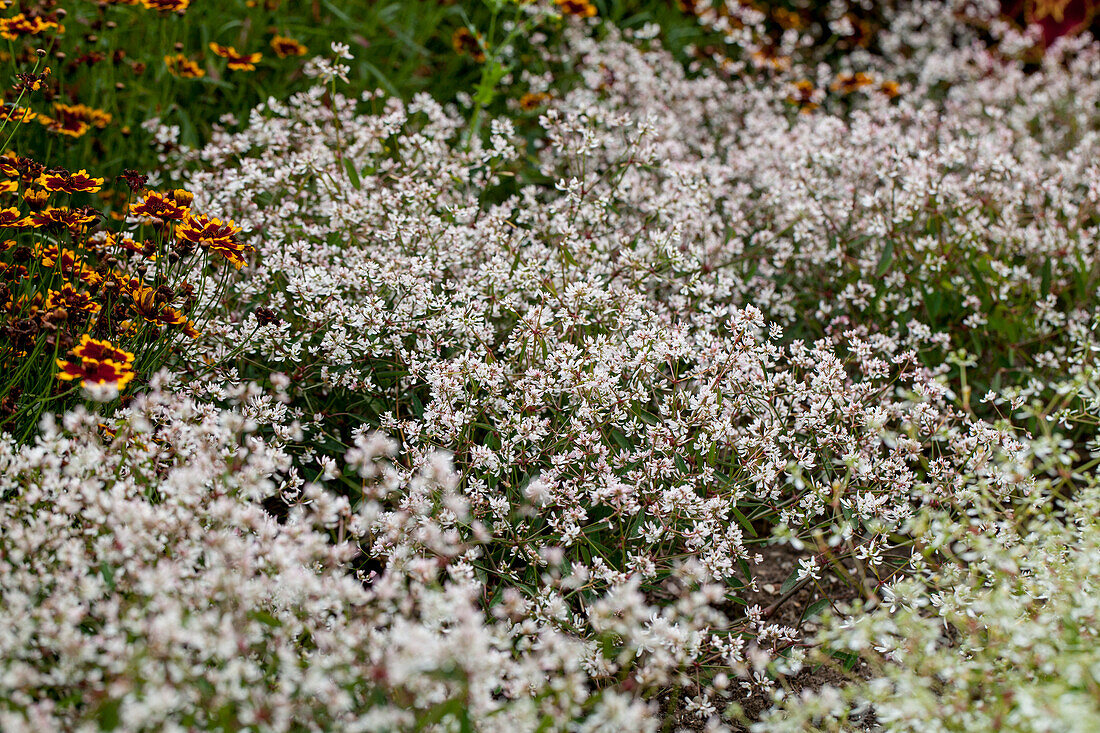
(11, 217)
(71, 300)
(151, 306)
(97, 362)
(61, 181)
(579, 8)
(166, 6)
(848, 83)
(284, 46)
(804, 95)
(533, 100)
(94, 117)
(74, 120)
(36, 198)
(159, 206)
(183, 67)
(237, 61)
(181, 196)
(90, 348)
(62, 217)
(216, 236)
(68, 263)
(9, 164)
(65, 126)
(32, 82)
(19, 25)
(466, 43)
(15, 113)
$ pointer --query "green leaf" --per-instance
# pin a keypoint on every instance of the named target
(108, 574)
(790, 582)
(620, 439)
(353, 174)
(265, 618)
(847, 658)
(108, 716)
(814, 609)
(745, 569)
(335, 10)
(886, 259)
(743, 521)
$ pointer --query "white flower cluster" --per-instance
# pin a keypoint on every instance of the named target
(145, 587)
(996, 630)
(594, 355)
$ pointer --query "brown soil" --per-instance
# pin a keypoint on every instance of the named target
(779, 563)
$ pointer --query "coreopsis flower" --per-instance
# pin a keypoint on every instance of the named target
(128, 244)
(181, 196)
(579, 8)
(9, 186)
(95, 117)
(61, 181)
(466, 43)
(768, 57)
(68, 126)
(166, 6)
(237, 61)
(96, 362)
(15, 273)
(804, 95)
(183, 67)
(152, 306)
(29, 170)
(890, 88)
(15, 113)
(214, 235)
(90, 371)
(788, 19)
(67, 262)
(9, 164)
(90, 348)
(72, 300)
(36, 198)
(62, 217)
(74, 120)
(135, 180)
(31, 82)
(532, 101)
(20, 25)
(159, 206)
(849, 83)
(11, 217)
(284, 47)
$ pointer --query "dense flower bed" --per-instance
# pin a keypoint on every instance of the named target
(490, 412)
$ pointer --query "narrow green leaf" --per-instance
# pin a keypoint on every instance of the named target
(790, 582)
(886, 259)
(815, 609)
(353, 174)
(743, 521)
(108, 574)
